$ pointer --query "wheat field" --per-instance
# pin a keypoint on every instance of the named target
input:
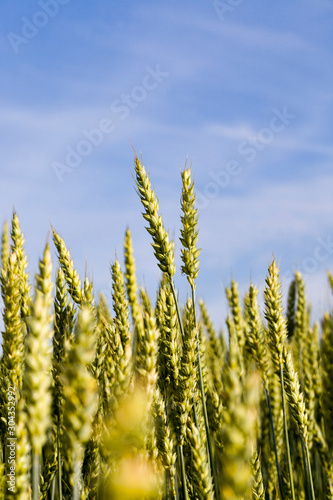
(149, 401)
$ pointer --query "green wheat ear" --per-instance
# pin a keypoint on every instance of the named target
(23, 454)
(120, 304)
(13, 334)
(147, 346)
(67, 265)
(163, 248)
(256, 336)
(79, 390)
(277, 328)
(5, 246)
(199, 474)
(164, 443)
(184, 397)
(169, 349)
(216, 350)
(63, 326)
(37, 375)
(258, 490)
(294, 395)
(131, 281)
(237, 316)
(22, 261)
(104, 359)
(300, 327)
(189, 233)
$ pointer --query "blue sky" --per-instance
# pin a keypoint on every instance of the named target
(242, 90)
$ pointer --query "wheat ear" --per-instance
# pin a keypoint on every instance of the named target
(163, 248)
(148, 346)
(258, 490)
(132, 289)
(22, 261)
(301, 327)
(5, 251)
(298, 411)
(237, 315)
(277, 334)
(187, 376)
(38, 364)
(13, 334)
(200, 474)
(23, 454)
(120, 303)
(216, 348)
(165, 444)
(79, 389)
(67, 265)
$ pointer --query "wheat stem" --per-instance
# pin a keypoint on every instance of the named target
(59, 475)
(35, 476)
(268, 399)
(204, 405)
(285, 425)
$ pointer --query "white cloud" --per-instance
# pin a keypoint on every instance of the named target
(239, 131)
(283, 213)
